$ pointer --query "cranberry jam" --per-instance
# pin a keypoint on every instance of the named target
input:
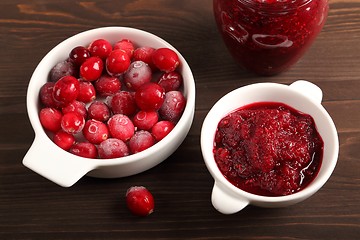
(268, 149)
(268, 36)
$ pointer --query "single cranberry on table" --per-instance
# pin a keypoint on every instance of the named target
(140, 201)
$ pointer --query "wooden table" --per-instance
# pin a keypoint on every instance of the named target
(32, 207)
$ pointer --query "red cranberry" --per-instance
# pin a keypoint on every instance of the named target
(61, 69)
(50, 119)
(75, 106)
(123, 102)
(144, 54)
(107, 85)
(84, 149)
(79, 54)
(150, 97)
(165, 59)
(66, 90)
(64, 140)
(46, 95)
(91, 69)
(145, 120)
(95, 131)
(140, 201)
(87, 92)
(137, 74)
(162, 129)
(173, 106)
(112, 148)
(100, 48)
(72, 122)
(98, 110)
(126, 45)
(140, 141)
(117, 62)
(121, 127)
(170, 81)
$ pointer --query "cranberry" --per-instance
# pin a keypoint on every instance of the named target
(144, 54)
(50, 119)
(91, 69)
(87, 92)
(117, 62)
(121, 127)
(66, 90)
(100, 48)
(123, 102)
(126, 45)
(170, 81)
(140, 141)
(98, 110)
(61, 69)
(113, 148)
(161, 129)
(79, 54)
(150, 97)
(140, 201)
(75, 106)
(165, 59)
(64, 140)
(107, 85)
(84, 149)
(137, 74)
(46, 95)
(95, 131)
(145, 120)
(72, 122)
(173, 106)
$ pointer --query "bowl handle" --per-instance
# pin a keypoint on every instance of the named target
(225, 202)
(55, 164)
(309, 89)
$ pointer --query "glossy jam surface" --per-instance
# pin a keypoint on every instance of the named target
(268, 149)
(268, 36)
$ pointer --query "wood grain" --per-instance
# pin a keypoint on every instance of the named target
(31, 207)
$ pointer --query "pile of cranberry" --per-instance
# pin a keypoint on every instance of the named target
(109, 101)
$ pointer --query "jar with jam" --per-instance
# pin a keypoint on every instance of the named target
(269, 36)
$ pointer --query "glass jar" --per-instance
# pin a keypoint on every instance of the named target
(269, 36)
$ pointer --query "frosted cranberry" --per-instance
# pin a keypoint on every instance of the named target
(117, 62)
(112, 148)
(162, 129)
(66, 90)
(121, 127)
(91, 69)
(87, 92)
(140, 201)
(61, 69)
(145, 120)
(75, 106)
(144, 54)
(84, 149)
(150, 97)
(50, 119)
(123, 102)
(79, 54)
(165, 59)
(72, 122)
(107, 85)
(140, 141)
(173, 106)
(98, 110)
(137, 74)
(126, 45)
(100, 48)
(64, 140)
(95, 131)
(170, 81)
(46, 95)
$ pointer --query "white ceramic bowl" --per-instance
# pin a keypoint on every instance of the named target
(64, 168)
(301, 95)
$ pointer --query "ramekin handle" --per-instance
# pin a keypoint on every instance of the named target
(309, 89)
(225, 202)
(55, 164)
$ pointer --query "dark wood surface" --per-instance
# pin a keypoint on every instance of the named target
(32, 207)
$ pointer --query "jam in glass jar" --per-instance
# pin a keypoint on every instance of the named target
(269, 36)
